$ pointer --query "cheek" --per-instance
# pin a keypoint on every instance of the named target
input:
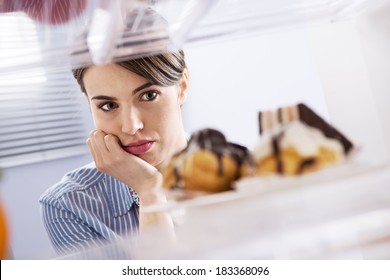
(108, 126)
(95, 117)
(170, 120)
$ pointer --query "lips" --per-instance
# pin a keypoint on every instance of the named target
(139, 147)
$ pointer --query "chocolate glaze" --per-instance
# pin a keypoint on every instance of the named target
(212, 140)
(178, 180)
(279, 112)
(261, 129)
(275, 147)
(305, 163)
(309, 117)
(215, 142)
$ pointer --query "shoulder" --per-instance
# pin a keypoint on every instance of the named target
(78, 180)
(86, 184)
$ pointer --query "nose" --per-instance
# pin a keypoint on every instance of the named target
(131, 121)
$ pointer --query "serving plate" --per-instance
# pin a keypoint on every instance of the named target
(347, 174)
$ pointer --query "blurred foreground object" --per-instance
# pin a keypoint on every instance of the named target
(62, 32)
(340, 213)
(47, 12)
(3, 233)
(80, 33)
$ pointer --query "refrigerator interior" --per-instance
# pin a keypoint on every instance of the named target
(243, 56)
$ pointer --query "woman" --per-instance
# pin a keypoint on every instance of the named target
(136, 109)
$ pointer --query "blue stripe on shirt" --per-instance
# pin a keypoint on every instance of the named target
(88, 208)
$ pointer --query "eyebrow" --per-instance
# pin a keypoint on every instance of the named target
(146, 85)
(103, 97)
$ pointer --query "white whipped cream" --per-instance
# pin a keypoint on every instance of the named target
(305, 139)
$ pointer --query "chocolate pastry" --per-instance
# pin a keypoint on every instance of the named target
(295, 140)
(209, 163)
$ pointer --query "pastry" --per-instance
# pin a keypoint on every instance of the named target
(209, 164)
(295, 140)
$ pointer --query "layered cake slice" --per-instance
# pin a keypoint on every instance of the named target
(295, 140)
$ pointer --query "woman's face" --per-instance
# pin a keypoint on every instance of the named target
(146, 118)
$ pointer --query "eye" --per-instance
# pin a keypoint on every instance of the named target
(149, 96)
(108, 106)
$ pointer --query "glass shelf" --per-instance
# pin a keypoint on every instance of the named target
(78, 33)
(231, 18)
(343, 217)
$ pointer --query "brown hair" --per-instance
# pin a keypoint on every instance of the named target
(165, 69)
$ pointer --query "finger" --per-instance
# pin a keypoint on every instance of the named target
(97, 157)
(113, 144)
(89, 144)
(96, 147)
(97, 137)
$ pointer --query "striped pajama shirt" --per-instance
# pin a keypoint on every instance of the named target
(88, 208)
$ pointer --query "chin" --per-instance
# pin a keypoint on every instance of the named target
(152, 161)
(157, 163)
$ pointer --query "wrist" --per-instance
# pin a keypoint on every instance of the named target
(153, 197)
(151, 183)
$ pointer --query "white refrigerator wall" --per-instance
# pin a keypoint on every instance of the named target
(374, 33)
(353, 63)
(231, 81)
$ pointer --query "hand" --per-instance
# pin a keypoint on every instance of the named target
(144, 178)
(111, 159)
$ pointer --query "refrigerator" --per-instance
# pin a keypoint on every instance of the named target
(243, 57)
